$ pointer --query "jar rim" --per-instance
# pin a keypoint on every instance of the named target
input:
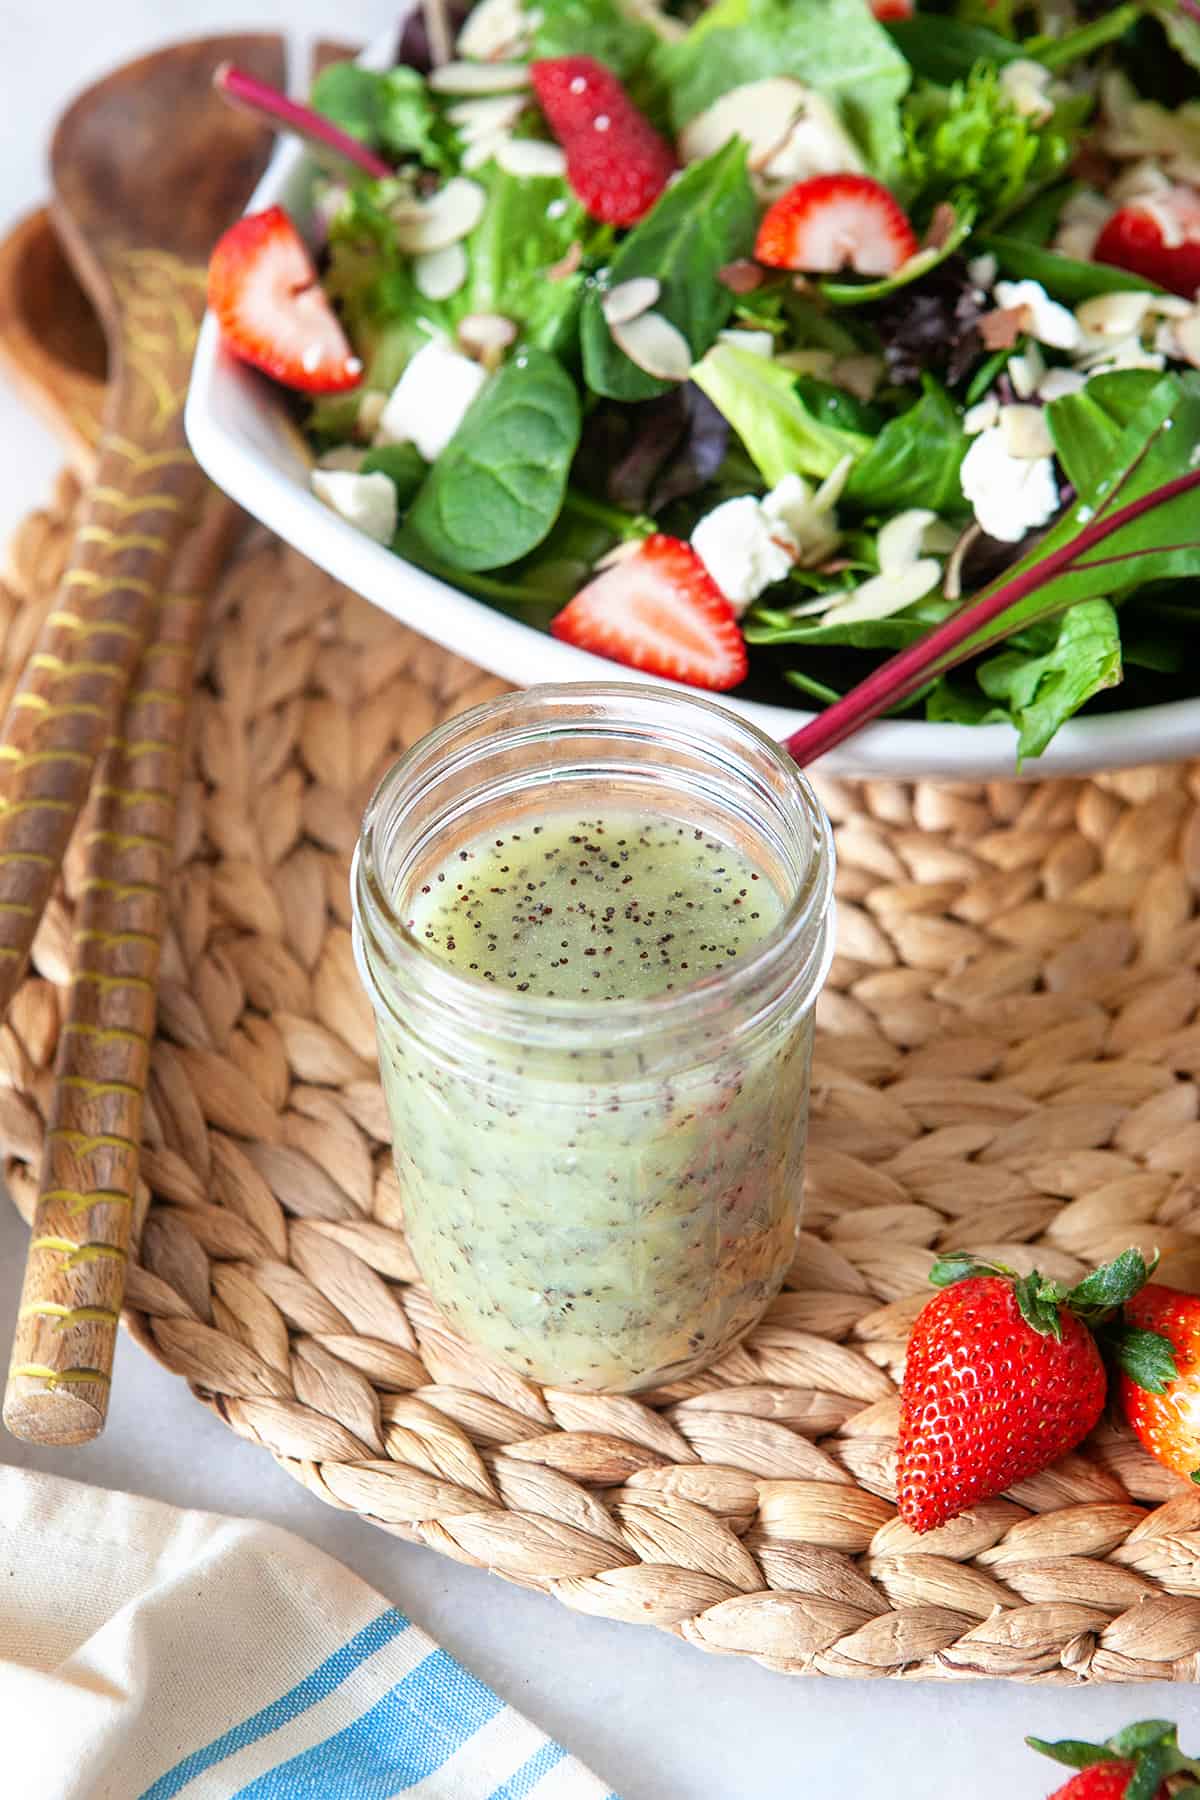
(380, 932)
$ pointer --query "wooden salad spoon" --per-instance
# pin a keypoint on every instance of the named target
(148, 167)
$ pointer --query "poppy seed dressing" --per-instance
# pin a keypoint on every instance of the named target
(614, 908)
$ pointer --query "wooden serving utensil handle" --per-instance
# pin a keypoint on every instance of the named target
(59, 1379)
(146, 495)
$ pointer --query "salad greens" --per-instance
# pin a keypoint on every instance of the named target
(997, 398)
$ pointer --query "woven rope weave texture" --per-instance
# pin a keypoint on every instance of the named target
(1006, 1061)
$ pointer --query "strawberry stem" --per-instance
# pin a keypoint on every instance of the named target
(948, 643)
(282, 114)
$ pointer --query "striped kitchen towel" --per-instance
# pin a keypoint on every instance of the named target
(149, 1654)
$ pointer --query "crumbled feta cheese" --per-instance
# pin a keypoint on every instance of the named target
(1026, 369)
(367, 501)
(756, 343)
(1045, 319)
(427, 404)
(744, 549)
(983, 270)
(1009, 495)
(1027, 85)
(982, 416)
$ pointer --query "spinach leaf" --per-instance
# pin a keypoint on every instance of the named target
(1041, 692)
(403, 465)
(527, 227)
(1087, 426)
(835, 46)
(1035, 223)
(497, 488)
(704, 220)
(599, 28)
(760, 400)
(946, 50)
(1062, 277)
(392, 111)
(915, 460)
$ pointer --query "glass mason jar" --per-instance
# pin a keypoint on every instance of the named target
(602, 1194)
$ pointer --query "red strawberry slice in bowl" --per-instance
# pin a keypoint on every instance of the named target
(834, 222)
(617, 164)
(1158, 239)
(659, 610)
(892, 12)
(268, 301)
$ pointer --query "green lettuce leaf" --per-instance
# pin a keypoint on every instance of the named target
(394, 112)
(915, 460)
(761, 402)
(969, 139)
(835, 46)
(1087, 426)
(599, 28)
(702, 221)
(1040, 692)
(528, 225)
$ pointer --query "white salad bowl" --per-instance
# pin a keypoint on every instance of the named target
(240, 432)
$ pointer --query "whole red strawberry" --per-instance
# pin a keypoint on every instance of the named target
(1133, 1765)
(1163, 1403)
(1003, 1377)
(617, 164)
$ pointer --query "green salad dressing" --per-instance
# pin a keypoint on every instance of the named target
(615, 1232)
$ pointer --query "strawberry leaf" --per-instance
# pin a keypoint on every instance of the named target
(1143, 1735)
(1072, 1752)
(949, 1269)
(1112, 1285)
(1039, 1301)
(1145, 1356)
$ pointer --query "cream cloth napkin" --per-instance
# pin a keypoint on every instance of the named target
(147, 1652)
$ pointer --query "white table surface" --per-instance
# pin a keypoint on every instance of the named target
(659, 1720)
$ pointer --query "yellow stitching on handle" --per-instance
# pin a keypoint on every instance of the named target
(44, 659)
(144, 460)
(71, 621)
(117, 543)
(89, 978)
(77, 1201)
(31, 759)
(99, 884)
(91, 935)
(56, 1378)
(108, 584)
(132, 796)
(10, 808)
(17, 906)
(133, 503)
(87, 1141)
(80, 1253)
(68, 1317)
(86, 1085)
(68, 709)
(130, 840)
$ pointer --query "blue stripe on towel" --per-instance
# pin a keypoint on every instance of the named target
(524, 1779)
(401, 1740)
(315, 1687)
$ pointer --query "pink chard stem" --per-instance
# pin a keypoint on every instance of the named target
(909, 669)
(282, 114)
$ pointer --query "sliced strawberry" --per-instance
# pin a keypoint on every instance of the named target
(659, 610)
(617, 164)
(836, 222)
(1157, 239)
(263, 288)
(890, 12)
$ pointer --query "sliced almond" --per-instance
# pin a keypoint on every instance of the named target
(761, 112)
(479, 78)
(884, 595)
(1113, 315)
(451, 214)
(629, 298)
(495, 28)
(860, 374)
(531, 157)
(440, 273)
(491, 112)
(1187, 336)
(486, 336)
(655, 345)
(899, 542)
(483, 149)
(1026, 433)
(346, 456)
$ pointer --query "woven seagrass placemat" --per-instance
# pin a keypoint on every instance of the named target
(1006, 1061)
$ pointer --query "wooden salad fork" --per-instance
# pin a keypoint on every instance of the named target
(148, 167)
